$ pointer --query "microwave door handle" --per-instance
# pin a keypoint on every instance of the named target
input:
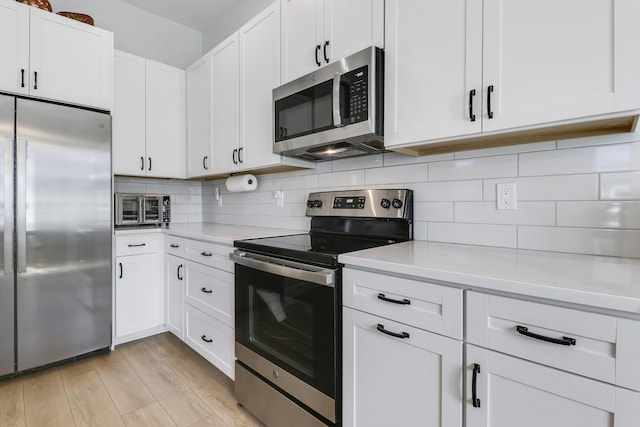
(337, 119)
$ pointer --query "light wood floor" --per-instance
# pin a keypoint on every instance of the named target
(158, 381)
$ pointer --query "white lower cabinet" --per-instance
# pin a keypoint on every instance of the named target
(200, 298)
(139, 291)
(401, 365)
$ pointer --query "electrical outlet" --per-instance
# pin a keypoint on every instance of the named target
(506, 195)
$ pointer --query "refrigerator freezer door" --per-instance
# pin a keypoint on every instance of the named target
(7, 342)
(63, 227)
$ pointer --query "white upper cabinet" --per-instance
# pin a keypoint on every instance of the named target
(148, 118)
(199, 106)
(457, 68)
(50, 56)
(318, 32)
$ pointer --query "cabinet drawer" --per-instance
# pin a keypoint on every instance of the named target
(209, 254)
(211, 338)
(175, 246)
(424, 305)
(594, 345)
(210, 290)
(137, 244)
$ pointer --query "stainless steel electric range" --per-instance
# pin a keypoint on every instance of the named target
(288, 299)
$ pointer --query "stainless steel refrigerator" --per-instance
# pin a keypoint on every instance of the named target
(55, 233)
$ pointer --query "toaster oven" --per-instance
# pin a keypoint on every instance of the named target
(142, 209)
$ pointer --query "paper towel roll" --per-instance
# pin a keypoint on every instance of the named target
(241, 183)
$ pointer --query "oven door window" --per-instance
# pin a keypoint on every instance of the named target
(305, 112)
(130, 207)
(152, 209)
(289, 322)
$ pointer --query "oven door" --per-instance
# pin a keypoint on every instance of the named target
(152, 209)
(286, 313)
(128, 209)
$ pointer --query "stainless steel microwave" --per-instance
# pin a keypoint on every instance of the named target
(142, 209)
(334, 112)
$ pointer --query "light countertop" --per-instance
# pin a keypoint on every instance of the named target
(597, 281)
(223, 234)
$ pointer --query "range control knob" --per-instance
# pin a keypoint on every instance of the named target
(385, 203)
(317, 203)
(310, 203)
(397, 203)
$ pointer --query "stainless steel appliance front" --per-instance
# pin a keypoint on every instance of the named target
(58, 274)
(142, 209)
(336, 111)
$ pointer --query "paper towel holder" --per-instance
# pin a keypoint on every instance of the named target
(246, 182)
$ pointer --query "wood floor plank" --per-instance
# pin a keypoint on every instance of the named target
(12, 404)
(149, 416)
(126, 389)
(210, 421)
(90, 403)
(45, 401)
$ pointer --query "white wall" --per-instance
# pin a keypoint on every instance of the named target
(240, 14)
(140, 32)
(578, 196)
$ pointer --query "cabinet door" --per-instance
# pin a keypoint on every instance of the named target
(225, 114)
(302, 33)
(433, 63)
(511, 389)
(165, 118)
(259, 75)
(199, 105)
(548, 60)
(139, 294)
(14, 45)
(350, 26)
(414, 380)
(73, 61)
(128, 129)
(174, 276)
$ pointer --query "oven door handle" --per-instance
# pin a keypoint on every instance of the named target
(281, 267)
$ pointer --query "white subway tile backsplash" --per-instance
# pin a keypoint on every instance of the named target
(447, 191)
(358, 162)
(433, 211)
(604, 214)
(509, 149)
(527, 213)
(129, 187)
(341, 179)
(298, 182)
(396, 159)
(619, 243)
(473, 234)
(620, 186)
(474, 168)
(396, 174)
(602, 158)
(560, 187)
(600, 140)
(420, 230)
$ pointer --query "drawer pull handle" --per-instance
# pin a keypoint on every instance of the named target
(203, 253)
(393, 334)
(404, 301)
(474, 390)
(137, 245)
(523, 330)
(173, 245)
(205, 339)
(206, 291)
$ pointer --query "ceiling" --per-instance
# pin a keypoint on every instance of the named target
(196, 14)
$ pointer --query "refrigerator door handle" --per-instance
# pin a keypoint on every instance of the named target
(8, 207)
(21, 204)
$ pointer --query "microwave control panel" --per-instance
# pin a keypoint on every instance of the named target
(356, 83)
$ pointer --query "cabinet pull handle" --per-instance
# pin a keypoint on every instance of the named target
(404, 301)
(474, 386)
(35, 80)
(233, 157)
(173, 245)
(204, 162)
(178, 272)
(472, 116)
(206, 291)
(141, 163)
(489, 92)
(240, 150)
(381, 328)
(149, 163)
(121, 269)
(136, 245)
(203, 253)
(324, 51)
(523, 330)
(22, 77)
(205, 339)
(317, 50)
